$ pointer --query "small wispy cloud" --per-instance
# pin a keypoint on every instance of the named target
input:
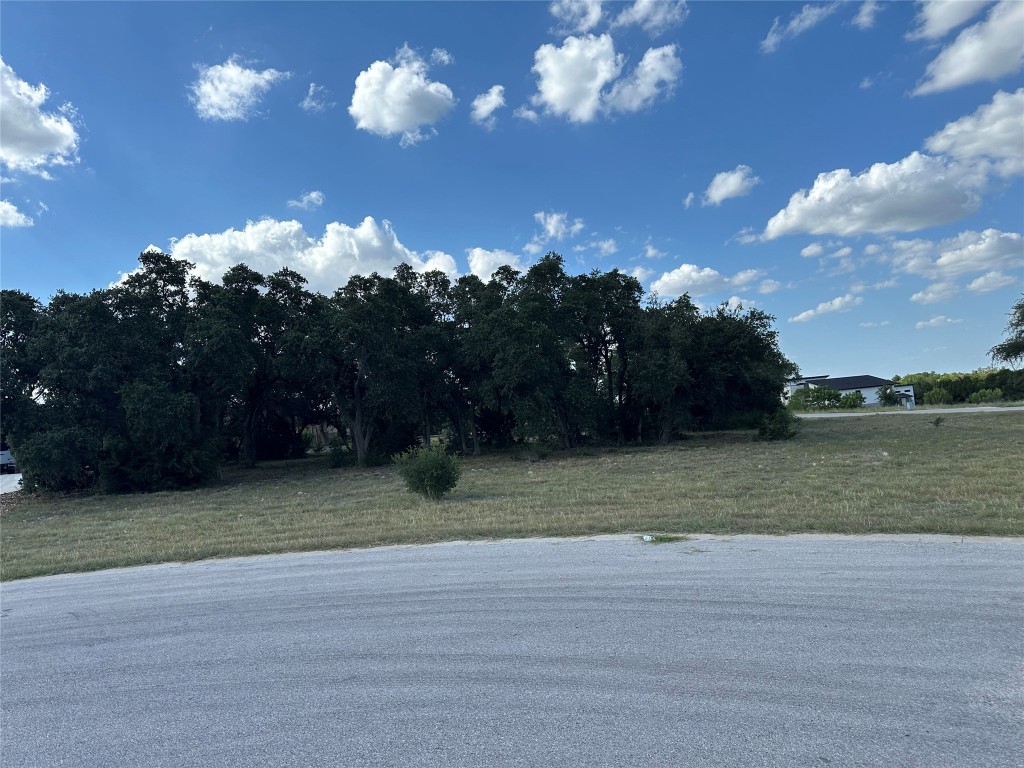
(808, 17)
(939, 321)
(838, 304)
(309, 201)
(317, 99)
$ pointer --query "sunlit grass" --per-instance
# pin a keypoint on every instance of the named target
(898, 475)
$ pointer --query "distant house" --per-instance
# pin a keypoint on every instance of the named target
(869, 386)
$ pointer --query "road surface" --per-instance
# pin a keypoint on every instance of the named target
(744, 651)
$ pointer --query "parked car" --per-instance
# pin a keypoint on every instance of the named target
(7, 464)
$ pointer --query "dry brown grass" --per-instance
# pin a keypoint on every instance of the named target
(896, 474)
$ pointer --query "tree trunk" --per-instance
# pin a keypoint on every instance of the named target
(249, 437)
(475, 433)
(361, 431)
(426, 427)
(666, 431)
(460, 427)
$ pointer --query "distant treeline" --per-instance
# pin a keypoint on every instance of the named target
(153, 383)
(984, 385)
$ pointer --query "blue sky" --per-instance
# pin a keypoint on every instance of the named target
(854, 169)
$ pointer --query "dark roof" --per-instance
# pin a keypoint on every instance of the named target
(852, 382)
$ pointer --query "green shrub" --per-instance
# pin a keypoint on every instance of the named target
(780, 425)
(937, 396)
(428, 471)
(887, 396)
(338, 455)
(852, 400)
(799, 400)
(63, 459)
(986, 396)
(815, 399)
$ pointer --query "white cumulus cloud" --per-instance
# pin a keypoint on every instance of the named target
(688, 200)
(523, 112)
(728, 184)
(839, 304)
(397, 98)
(976, 251)
(32, 139)
(653, 16)
(558, 226)
(808, 17)
(994, 131)
(605, 247)
(231, 91)
(987, 251)
(10, 216)
(579, 80)
(576, 15)
(985, 51)
(486, 104)
(308, 201)
(700, 281)
(991, 281)
(643, 274)
(651, 252)
(656, 74)
(572, 76)
(769, 286)
(913, 193)
(484, 263)
(865, 18)
(937, 17)
(939, 321)
(441, 57)
(935, 293)
(327, 262)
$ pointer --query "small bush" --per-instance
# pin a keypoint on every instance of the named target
(852, 400)
(937, 396)
(63, 459)
(986, 396)
(338, 455)
(887, 396)
(781, 425)
(428, 471)
(799, 400)
(814, 399)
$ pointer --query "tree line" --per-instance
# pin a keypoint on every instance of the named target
(155, 382)
(985, 385)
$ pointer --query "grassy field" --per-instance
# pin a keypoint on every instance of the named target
(899, 474)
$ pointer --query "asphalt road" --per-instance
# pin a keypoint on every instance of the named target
(744, 651)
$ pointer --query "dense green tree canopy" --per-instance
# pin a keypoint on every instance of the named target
(154, 382)
(1011, 350)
